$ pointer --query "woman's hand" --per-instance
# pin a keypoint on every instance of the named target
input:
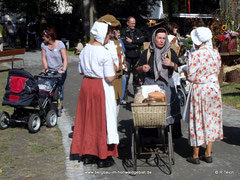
(45, 70)
(168, 62)
(146, 68)
(61, 71)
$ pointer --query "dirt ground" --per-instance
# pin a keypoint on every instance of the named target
(24, 155)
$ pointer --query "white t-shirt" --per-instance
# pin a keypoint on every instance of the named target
(96, 61)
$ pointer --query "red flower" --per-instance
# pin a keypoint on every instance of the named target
(221, 38)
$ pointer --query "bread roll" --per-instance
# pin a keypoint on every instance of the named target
(157, 95)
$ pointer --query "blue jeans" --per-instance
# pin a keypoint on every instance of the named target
(61, 86)
(123, 87)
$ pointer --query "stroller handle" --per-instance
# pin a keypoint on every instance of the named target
(50, 74)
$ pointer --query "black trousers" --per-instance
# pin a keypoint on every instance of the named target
(131, 65)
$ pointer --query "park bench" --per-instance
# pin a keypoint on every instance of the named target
(10, 54)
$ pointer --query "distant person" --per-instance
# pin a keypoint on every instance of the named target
(54, 58)
(205, 117)
(32, 34)
(172, 29)
(133, 40)
(10, 31)
(22, 34)
(119, 86)
(122, 56)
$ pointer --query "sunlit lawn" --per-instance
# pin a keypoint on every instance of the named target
(231, 95)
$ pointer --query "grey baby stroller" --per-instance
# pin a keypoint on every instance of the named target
(32, 99)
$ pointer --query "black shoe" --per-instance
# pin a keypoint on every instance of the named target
(89, 159)
(103, 163)
(70, 135)
(59, 112)
(206, 159)
(193, 160)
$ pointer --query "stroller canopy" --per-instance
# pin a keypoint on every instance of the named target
(21, 88)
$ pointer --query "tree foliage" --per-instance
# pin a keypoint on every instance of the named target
(124, 8)
(29, 8)
(196, 6)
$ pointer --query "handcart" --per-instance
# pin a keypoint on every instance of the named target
(152, 115)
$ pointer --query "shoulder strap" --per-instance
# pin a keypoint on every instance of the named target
(169, 54)
(148, 54)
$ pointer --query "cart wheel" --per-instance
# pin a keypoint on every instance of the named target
(34, 123)
(134, 150)
(51, 118)
(170, 149)
(4, 120)
(170, 144)
(182, 97)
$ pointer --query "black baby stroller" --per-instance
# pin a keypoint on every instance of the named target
(32, 99)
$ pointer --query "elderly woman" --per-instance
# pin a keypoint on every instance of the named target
(205, 120)
(158, 69)
(95, 135)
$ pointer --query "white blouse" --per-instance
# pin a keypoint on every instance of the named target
(96, 61)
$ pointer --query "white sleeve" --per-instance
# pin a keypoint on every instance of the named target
(79, 64)
(108, 68)
(113, 51)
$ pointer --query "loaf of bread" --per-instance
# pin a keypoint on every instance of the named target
(158, 95)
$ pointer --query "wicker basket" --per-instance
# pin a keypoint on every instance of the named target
(149, 115)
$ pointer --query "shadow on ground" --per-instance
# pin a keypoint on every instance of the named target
(231, 135)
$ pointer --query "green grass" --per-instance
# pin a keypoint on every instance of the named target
(231, 95)
(71, 52)
(3, 82)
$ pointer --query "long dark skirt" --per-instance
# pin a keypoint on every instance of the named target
(173, 109)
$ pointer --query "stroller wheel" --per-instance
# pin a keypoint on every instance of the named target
(51, 119)
(4, 120)
(34, 123)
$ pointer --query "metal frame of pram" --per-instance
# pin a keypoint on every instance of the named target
(152, 115)
(36, 114)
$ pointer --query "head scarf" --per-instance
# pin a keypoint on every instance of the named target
(159, 55)
(99, 31)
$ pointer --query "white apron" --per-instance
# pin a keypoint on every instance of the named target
(111, 114)
(186, 110)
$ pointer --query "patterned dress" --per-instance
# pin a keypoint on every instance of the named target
(205, 124)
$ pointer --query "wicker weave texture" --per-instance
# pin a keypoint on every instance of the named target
(149, 116)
